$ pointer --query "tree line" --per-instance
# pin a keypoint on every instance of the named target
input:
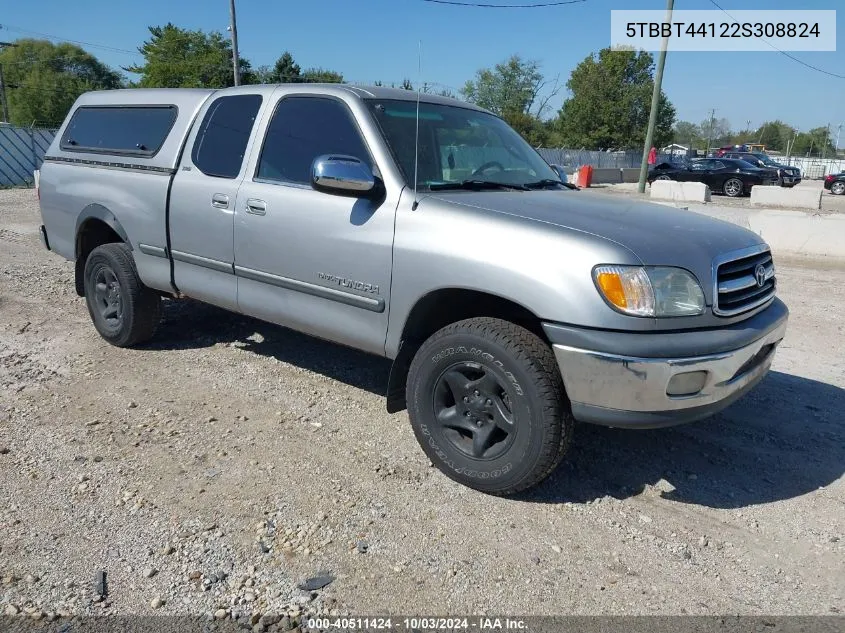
(607, 107)
(774, 135)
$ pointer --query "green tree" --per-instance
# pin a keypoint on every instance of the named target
(286, 70)
(775, 135)
(814, 143)
(687, 134)
(179, 58)
(717, 130)
(322, 76)
(610, 103)
(44, 79)
(512, 87)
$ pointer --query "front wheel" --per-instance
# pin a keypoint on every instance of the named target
(124, 311)
(662, 177)
(838, 188)
(733, 187)
(487, 405)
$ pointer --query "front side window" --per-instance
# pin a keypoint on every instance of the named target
(222, 138)
(302, 129)
(122, 130)
(456, 145)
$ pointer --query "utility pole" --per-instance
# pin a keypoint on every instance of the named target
(710, 131)
(3, 97)
(655, 99)
(233, 28)
(838, 132)
(4, 101)
(826, 140)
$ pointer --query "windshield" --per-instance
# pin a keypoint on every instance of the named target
(457, 145)
(744, 164)
(763, 158)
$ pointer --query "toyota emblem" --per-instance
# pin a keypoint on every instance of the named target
(760, 275)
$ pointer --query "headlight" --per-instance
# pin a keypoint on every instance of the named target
(651, 291)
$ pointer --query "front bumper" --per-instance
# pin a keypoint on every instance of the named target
(633, 391)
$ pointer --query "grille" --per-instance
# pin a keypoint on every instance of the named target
(738, 283)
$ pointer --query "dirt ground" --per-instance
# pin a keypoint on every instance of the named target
(215, 469)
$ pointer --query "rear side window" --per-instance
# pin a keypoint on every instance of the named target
(128, 130)
(223, 136)
(302, 129)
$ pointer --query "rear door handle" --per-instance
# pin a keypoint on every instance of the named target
(220, 201)
(256, 206)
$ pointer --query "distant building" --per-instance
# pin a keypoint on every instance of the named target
(675, 150)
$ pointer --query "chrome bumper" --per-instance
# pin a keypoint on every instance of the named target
(628, 391)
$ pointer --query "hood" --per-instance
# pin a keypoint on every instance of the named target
(656, 234)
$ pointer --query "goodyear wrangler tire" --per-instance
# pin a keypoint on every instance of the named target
(487, 405)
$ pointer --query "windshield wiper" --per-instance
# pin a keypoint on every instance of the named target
(476, 185)
(545, 182)
(549, 182)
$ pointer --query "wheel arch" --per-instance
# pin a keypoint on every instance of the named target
(95, 226)
(439, 308)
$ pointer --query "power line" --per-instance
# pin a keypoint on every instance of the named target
(789, 55)
(16, 29)
(535, 5)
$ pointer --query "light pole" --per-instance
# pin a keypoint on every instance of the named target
(838, 132)
(655, 100)
(233, 28)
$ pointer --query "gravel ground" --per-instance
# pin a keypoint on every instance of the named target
(217, 469)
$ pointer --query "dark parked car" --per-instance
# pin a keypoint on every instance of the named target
(725, 175)
(789, 176)
(835, 183)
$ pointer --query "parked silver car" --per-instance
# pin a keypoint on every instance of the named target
(510, 304)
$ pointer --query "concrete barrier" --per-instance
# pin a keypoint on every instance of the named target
(680, 191)
(607, 175)
(630, 174)
(785, 198)
(795, 233)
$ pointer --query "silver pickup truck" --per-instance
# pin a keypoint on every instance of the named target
(426, 232)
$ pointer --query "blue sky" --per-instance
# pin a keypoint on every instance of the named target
(370, 40)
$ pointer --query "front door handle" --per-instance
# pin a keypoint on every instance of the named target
(220, 201)
(256, 206)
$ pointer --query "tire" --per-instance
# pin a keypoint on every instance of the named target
(733, 187)
(662, 177)
(124, 311)
(512, 425)
(838, 188)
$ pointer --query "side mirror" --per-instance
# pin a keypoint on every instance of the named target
(343, 175)
(561, 173)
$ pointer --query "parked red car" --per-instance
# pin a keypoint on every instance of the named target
(835, 183)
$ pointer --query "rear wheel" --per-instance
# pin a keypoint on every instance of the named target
(733, 187)
(124, 311)
(838, 188)
(487, 405)
(662, 177)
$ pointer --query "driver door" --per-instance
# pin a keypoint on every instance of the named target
(317, 262)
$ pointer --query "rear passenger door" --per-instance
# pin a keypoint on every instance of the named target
(202, 200)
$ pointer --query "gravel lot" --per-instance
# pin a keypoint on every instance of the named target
(215, 470)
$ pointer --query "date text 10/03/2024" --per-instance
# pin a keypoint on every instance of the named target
(415, 624)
